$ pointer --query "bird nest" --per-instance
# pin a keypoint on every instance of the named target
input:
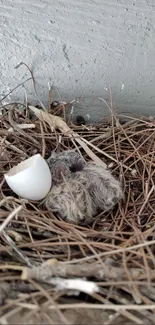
(56, 271)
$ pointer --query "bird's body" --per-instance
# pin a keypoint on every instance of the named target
(80, 193)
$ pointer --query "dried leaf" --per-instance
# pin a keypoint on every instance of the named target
(56, 122)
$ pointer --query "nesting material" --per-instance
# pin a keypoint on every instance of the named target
(116, 251)
(81, 189)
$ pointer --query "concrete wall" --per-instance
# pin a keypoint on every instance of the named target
(81, 47)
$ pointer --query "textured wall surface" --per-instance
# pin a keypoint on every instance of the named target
(81, 47)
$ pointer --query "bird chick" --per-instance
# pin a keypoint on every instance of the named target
(83, 194)
(63, 164)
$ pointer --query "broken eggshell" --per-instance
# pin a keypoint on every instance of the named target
(31, 179)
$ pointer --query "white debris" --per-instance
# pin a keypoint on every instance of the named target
(111, 165)
(60, 138)
(49, 86)
(76, 284)
(133, 172)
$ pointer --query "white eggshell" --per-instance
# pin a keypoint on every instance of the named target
(31, 179)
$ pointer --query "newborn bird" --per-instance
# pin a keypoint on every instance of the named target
(63, 164)
(84, 190)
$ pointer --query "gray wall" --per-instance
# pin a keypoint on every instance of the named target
(81, 47)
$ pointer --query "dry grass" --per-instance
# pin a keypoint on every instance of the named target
(119, 244)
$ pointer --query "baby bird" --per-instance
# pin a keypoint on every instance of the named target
(81, 192)
(63, 164)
